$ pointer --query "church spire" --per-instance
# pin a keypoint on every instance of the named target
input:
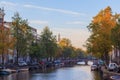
(59, 37)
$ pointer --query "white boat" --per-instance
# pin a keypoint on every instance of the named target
(24, 69)
(81, 63)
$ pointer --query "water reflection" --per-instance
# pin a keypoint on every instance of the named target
(69, 73)
(96, 76)
(16, 76)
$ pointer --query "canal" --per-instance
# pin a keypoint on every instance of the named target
(67, 73)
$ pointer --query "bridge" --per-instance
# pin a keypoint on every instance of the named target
(84, 61)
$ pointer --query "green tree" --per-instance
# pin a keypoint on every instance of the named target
(35, 51)
(115, 37)
(22, 32)
(48, 43)
(79, 53)
(68, 52)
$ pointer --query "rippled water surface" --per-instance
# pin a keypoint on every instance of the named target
(67, 73)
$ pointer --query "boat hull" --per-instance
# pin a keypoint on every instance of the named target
(4, 73)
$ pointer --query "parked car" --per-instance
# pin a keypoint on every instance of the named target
(100, 64)
(113, 67)
(116, 77)
(48, 63)
(94, 67)
(22, 63)
(34, 63)
(57, 62)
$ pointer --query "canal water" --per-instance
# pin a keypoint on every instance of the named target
(67, 73)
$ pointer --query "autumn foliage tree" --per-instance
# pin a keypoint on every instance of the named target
(6, 42)
(99, 43)
(66, 47)
(67, 50)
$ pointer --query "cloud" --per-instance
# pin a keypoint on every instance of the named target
(38, 22)
(5, 3)
(53, 9)
(11, 4)
(77, 23)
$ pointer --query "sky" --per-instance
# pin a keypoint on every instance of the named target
(69, 18)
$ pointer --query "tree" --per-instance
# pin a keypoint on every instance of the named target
(115, 33)
(6, 42)
(65, 42)
(48, 43)
(35, 51)
(23, 34)
(115, 37)
(66, 47)
(79, 53)
(99, 42)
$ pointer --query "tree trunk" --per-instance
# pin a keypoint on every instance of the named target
(106, 58)
(119, 57)
(17, 60)
(2, 57)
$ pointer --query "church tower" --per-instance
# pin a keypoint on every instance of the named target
(59, 38)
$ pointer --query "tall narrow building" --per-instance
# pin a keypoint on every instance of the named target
(2, 16)
(59, 38)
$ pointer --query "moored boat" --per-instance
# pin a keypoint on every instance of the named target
(5, 71)
(24, 69)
